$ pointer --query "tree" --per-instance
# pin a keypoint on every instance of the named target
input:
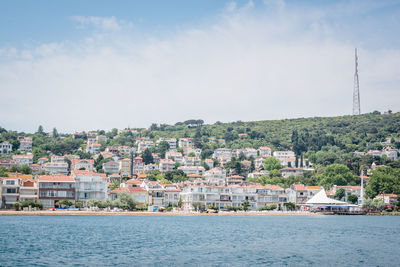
(78, 204)
(162, 148)
(290, 205)
(147, 156)
(125, 201)
(55, 132)
(175, 176)
(40, 129)
(245, 206)
(340, 193)
(65, 202)
(352, 198)
(272, 163)
(336, 174)
(383, 180)
(191, 154)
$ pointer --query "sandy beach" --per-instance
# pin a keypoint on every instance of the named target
(144, 213)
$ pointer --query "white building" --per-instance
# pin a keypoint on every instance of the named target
(166, 165)
(22, 160)
(25, 145)
(90, 185)
(5, 148)
(143, 145)
(171, 142)
(85, 164)
(222, 152)
(93, 148)
(185, 142)
(56, 168)
(191, 161)
(192, 169)
(195, 151)
(265, 151)
(111, 167)
(9, 192)
(215, 176)
(175, 156)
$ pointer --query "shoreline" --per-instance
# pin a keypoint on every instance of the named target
(147, 213)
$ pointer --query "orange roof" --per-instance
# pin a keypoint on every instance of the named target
(274, 187)
(47, 178)
(133, 181)
(127, 189)
(314, 187)
(299, 187)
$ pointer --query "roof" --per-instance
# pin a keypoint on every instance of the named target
(83, 172)
(299, 187)
(312, 187)
(127, 189)
(321, 198)
(47, 178)
(274, 187)
(387, 195)
(134, 181)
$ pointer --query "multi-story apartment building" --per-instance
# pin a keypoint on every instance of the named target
(93, 148)
(191, 161)
(175, 156)
(90, 185)
(25, 145)
(125, 167)
(189, 150)
(271, 194)
(55, 188)
(155, 193)
(220, 196)
(192, 169)
(222, 152)
(111, 167)
(299, 194)
(166, 165)
(215, 176)
(82, 164)
(7, 163)
(22, 160)
(9, 191)
(143, 145)
(56, 168)
(5, 148)
(171, 194)
(265, 151)
(171, 142)
(138, 165)
(29, 189)
(185, 142)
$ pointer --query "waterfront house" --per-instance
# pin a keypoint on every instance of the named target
(9, 191)
(55, 188)
(90, 185)
(139, 194)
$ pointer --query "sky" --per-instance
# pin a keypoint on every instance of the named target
(87, 65)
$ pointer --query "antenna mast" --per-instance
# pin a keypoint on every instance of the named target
(356, 91)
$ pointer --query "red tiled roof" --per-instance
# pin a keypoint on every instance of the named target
(299, 187)
(47, 178)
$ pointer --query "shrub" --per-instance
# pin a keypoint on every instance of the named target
(16, 206)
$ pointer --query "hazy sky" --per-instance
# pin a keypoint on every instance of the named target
(81, 65)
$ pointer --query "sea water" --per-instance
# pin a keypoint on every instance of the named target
(199, 240)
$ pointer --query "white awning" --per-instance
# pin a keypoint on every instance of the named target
(321, 199)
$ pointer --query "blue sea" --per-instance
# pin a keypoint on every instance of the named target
(199, 241)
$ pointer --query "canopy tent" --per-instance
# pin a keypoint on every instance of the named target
(321, 199)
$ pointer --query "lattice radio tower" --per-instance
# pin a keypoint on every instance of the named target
(356, 91)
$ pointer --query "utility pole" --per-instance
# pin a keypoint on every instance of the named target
(356, 89)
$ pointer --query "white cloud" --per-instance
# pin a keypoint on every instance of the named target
(102, 23)
(246, 66)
